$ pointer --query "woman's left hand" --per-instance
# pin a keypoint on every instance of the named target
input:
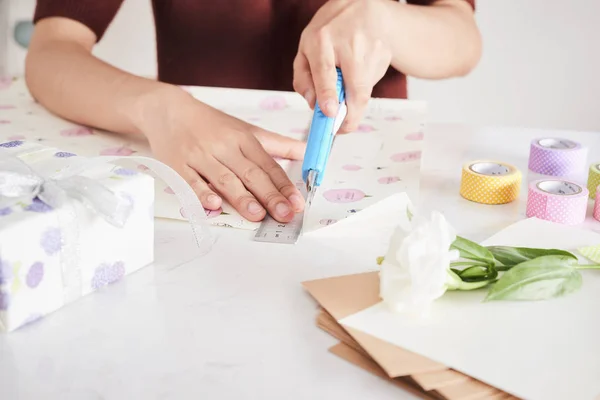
(348, 34)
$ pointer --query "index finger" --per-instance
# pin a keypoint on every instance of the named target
(254, 152)
(358, 92)
(321, 59)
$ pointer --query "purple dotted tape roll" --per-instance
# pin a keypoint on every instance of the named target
(557, 157)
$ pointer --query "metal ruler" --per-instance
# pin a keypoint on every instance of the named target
(272, 231)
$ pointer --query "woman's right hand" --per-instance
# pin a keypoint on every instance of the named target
(222, 157)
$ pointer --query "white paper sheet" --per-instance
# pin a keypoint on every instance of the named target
(376, 222)
(535, 350)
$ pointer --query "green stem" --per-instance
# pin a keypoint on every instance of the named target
(593, 266)
(468, 263)
(503, 267)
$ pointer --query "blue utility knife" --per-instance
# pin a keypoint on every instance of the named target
(320, 140)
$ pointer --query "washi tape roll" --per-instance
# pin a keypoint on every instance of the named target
(557, 157)
(558, 201)
(597, 206)
(593, 179)
(490, 182)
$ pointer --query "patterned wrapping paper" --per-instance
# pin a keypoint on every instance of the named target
(33, 238)
(380, 159)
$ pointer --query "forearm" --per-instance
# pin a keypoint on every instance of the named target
(432, 42)
(68, 80)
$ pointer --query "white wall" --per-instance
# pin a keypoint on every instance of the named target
(540, 67)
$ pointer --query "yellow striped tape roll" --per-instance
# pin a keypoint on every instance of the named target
(490, 182)
(593, 179)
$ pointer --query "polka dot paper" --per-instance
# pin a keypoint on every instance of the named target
(382, 158)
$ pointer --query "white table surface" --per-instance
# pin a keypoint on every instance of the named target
(236, 323)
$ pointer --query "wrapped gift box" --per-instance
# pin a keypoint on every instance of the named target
(50, 256)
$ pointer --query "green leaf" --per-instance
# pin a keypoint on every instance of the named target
(472, 251)
(469, 263)
(542, 278)
(511, 256)
(380, 260)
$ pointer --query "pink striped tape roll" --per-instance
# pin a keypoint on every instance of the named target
(597, 205)
(558, 201)
(557, 157)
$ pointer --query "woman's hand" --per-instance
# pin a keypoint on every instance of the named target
(349, 34)
(222, 157)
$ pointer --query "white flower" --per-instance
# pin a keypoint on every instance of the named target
(416, 269)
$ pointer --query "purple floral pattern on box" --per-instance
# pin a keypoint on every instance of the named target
(11, 144)
(64, 154)
(5, 272)
(38, 206)
(35, 275)
(125, 172)
(5, 211)
(106, 274)
(51, 241)
(4, 300)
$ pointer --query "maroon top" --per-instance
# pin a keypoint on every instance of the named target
(228, 43)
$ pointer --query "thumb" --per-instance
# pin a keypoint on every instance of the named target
(280, 146)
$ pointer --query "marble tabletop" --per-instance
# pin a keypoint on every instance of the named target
(236, 323)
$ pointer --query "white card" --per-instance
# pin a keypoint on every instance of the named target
(535, 350)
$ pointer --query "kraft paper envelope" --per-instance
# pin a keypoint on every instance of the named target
(349, 354)
(427, 380)
(363, 361)
(447, 384)
(345, 295)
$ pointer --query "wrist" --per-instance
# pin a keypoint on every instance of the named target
(390, 20)
(157, 105)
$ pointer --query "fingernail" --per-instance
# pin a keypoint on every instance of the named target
(254, 208)
(213, 199)
(282, 209)
(297, 202)
(330, 107)
(309, 97)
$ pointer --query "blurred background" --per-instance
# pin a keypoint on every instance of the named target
(540, 67)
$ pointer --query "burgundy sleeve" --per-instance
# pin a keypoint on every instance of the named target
(95, 14)
(428, 2)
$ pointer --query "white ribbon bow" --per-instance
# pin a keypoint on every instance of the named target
(19, 182)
